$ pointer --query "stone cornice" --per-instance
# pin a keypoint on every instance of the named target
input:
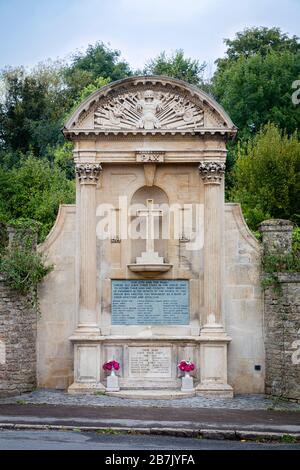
(88, 173)
(212, 172)
(75, 133)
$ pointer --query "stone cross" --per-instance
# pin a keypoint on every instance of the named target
(150, 213)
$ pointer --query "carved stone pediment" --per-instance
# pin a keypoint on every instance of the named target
(149, 105)
(148, 110)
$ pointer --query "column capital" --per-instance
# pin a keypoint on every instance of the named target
(212, 172)
(88, 173)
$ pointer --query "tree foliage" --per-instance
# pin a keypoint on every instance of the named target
(32, 107)
(257, 89)
(253, 41)
(253, 81)
(34, 190)
(267, 176)
(97, 61)
(177, 66)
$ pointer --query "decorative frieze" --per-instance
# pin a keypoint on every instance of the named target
(212, 172)
(88, 173)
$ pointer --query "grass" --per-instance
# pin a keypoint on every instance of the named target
(288, 439)
(108, 431)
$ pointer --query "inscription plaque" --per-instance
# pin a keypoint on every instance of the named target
(153, 302)
(150, 362)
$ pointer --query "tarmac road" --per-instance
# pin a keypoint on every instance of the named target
(62, 440)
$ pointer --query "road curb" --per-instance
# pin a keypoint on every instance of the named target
(215, 434)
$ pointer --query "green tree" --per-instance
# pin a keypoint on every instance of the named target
(260, 40)
(97, 61)
(267, 176)
(34, 190)
(32, 108)
(177, 66)
(254, 80)
(258, 89)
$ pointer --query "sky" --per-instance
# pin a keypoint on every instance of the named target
(32, 31)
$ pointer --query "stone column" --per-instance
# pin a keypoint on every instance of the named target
(212, 175)
(88, 175)
(213, 338)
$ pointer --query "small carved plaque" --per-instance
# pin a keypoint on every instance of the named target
(150, 362)
(150, 157)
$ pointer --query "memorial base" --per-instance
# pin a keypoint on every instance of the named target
(78, 388)
(149, 364)
(214, 390)
(165, 394)
(213, 363)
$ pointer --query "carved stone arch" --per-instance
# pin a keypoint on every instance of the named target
(153, 104)
(139, 201)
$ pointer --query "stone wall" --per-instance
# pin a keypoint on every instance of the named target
(57, 296)
(282, 337)
(243, 305)
(17, 343)
(281, 316)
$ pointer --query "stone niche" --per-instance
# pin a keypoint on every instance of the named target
(151, 267)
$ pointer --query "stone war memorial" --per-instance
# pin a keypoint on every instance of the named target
(151, 267)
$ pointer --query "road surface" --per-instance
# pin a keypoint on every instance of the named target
(64, 440)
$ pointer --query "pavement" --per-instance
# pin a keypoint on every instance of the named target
(239, 402)
(244, 417)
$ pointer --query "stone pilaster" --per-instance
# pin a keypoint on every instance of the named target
(214, 341)
(87, 352)
(88, 174)
(212, 174)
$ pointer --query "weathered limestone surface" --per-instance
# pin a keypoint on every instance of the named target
(243, 304)
(17, 343)
(243, 307)
(58, 304)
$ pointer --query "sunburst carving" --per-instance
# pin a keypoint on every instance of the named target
(148, 110)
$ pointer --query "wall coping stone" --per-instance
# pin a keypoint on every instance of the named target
(288, 277)
(276, 225)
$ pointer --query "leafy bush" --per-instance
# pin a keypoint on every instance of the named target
(34, 190)
(22, 267)
(267, 175)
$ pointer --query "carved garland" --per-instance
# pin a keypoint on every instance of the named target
(88, 173)
(212, 172)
